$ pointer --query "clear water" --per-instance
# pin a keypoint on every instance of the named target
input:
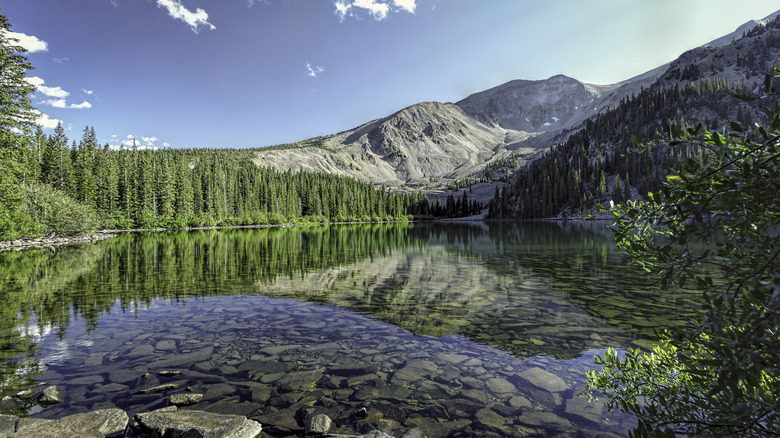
(434, 329)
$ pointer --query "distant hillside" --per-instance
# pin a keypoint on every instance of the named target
(489, 135)
(431, 145)
(596, 164)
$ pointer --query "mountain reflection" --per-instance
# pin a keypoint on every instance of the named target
(527, 288)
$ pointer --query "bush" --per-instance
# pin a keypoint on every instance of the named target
(54, 212)
(721, 375)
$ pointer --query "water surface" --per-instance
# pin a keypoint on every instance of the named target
(434, 329)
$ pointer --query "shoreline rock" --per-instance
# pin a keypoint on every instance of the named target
(53, 242)
(167, 421)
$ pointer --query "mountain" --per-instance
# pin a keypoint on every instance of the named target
(598, 163)
(741, 31)
(432, 146)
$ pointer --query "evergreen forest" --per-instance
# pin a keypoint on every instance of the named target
(619, 155)
(50, 185)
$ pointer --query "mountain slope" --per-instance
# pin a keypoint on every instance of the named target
(431, 144)
(597, 163)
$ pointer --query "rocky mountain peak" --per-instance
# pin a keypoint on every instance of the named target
(559, 102)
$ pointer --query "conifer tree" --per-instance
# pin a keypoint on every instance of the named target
(17, 117)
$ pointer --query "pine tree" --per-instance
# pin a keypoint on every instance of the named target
(17, 117)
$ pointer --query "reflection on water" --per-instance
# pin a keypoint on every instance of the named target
(440, 330)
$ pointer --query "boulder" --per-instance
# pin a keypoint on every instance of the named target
(9, 424)
(50, 396)
(196, 424)
(544, 379)
(101, 423)
(318, 424)
(185, 399)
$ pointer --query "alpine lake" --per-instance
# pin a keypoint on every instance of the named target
(418, 330)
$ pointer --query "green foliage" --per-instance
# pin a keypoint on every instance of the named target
(721, 375)
(54, 212)
(17, 114)
(16, 117)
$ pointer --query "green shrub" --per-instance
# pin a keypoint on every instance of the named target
(52, 211)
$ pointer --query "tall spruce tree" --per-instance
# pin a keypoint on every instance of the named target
(17, 118)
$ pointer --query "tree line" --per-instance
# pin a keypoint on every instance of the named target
(602, 162)
(175, 188)
(51, 185)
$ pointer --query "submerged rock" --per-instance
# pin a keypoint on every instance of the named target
(185, 399)
(544, 379)
(318, 424)
(159, 388)
(50, 396)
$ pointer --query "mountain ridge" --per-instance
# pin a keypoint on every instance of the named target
(431, 146)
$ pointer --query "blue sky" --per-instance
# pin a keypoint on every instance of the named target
(250, 73)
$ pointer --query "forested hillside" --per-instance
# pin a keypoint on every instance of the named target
(601, 163)
(49, 185)
(194, 187)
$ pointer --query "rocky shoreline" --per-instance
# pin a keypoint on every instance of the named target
(169, 422)
(60, 241)
(53, 241)
(174, 420)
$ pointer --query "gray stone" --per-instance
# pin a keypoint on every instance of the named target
(140, 351)
(218, 390)
(499, 385)
(476, 395)
(184, 359)
(11, 405)
(580, 407)
(86, 380)
(100, 423)
(546, 420)
(159, 388)
(9, 424)
(261, 395)
(318, 424)
(111, 387)
(488, 418)
(519, 401)
(544, 379)
(415, 370)
(123, 376)
(196, 423)
(51, 395)
(185, 399)
(453, 357)
(166, 345)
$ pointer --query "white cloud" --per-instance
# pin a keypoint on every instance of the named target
(60, 103)
(46, 122)
(140, 142)
(29, 42)
(48, 91)
(56, 103)
(60, 60)
(57, 94)
(314, 71)
(379, 9)
(407, 5)
(193, 19)
(82, 105)
(87, 91)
